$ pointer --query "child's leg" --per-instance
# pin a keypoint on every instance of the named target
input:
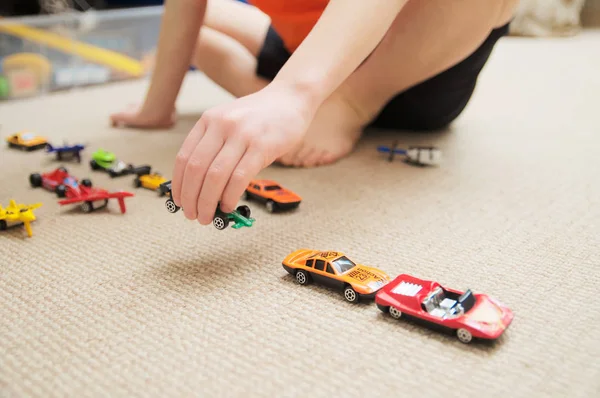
(426, 39)
(229, 44)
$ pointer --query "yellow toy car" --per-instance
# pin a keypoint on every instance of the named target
(26, 141)
(150, 181)
(336, 270)
(16, 214)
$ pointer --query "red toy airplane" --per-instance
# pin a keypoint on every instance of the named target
(67, 186)
(89, 195)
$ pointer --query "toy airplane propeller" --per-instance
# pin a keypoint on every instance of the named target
(418, 155)
(15, 214)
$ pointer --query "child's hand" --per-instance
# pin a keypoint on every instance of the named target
(137, 117)
(231, 144)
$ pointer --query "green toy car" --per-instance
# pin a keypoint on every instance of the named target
(107, 161)
(221, 220)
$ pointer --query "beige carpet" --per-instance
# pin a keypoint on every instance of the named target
(149, 304)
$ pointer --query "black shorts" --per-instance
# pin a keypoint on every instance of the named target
(430, 105)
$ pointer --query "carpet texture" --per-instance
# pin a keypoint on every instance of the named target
(149, 304)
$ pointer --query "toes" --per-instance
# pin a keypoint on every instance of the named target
(327, 158)
(313, 159)
(302, 155)
(287, 159)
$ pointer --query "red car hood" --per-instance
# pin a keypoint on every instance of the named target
(490, 313)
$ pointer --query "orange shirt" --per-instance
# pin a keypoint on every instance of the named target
(292, 19)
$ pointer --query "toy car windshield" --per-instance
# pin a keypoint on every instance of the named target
(70, 181)
(467, 300)
(272, 188)
(343, 264)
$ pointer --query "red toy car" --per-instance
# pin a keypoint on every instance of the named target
(467, 314)
(67, 186)
(58, 181)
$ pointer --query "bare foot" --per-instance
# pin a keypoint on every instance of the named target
(332, 135)
(135, 117)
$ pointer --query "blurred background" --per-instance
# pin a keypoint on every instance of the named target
(51, 45)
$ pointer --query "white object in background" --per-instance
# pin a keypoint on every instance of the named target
(426, 156)
(81, 75)
(543, 18)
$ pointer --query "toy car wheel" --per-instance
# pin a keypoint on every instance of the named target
(464, 335)
(35, 180)
(171, 206)
(3, 225)
(302, 277)
(86, 182)
(137, 183)
(395, 313)
(220, 223)
(93, 164)
(61, 191)
(270, 206)
(244, 211)
(350, 294)
(59, 156)
(87, 207)
(112, 174)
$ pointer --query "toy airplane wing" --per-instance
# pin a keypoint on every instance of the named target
(65, 148)
(95, 196)
(33, 206)
(387, 149)
(119, 195)
(393, 150)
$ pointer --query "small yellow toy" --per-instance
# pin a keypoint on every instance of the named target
(16, 214)
(150, 181)
(26, 141)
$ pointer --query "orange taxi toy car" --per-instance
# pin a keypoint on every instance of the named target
(336, 270)
(26, 141)
(273, 195)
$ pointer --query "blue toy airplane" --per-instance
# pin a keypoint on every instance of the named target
(66, 151)
(418, 155)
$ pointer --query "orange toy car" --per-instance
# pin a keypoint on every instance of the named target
(272, 194)
(336, 270)
(26, 141)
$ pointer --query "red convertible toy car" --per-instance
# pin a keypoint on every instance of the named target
(467, 314)
(67, 186)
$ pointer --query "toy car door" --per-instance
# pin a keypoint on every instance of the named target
(255, 191)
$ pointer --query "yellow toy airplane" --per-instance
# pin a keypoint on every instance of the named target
(16, 214)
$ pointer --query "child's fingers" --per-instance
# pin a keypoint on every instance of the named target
(250, 165)
(181, 161)
(195, 171)
(217, 177)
